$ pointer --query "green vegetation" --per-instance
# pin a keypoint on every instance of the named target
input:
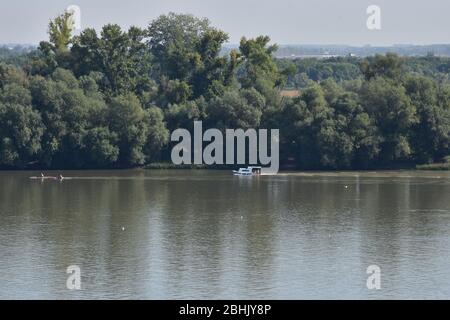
(434, 166)
(445, 165)
(167, 165)
(17, 55)
(111, 99)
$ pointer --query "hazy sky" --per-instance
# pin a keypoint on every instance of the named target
(285, 21)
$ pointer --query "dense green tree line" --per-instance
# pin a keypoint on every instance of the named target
(111, 98)
(16, 55)
(349, 68)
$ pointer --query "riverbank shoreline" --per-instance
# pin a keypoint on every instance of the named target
(415, 167)
(443, 166)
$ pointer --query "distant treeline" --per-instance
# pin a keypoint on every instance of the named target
(111, 99)
(363, 51)
(349, 68)
(17, 55)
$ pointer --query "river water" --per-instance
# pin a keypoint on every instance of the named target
(209, 235)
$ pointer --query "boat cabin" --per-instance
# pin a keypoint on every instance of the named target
(255, 170)
(250, 171)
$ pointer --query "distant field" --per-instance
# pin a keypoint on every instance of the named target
(290, 93)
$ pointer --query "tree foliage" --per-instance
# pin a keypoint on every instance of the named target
(110, 99)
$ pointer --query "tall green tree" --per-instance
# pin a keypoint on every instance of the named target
(68, 113)
(389, 66)
(60, 31)
(430, 136)
(388, 104)
(129, 121)
(120, 56)
(21, 127)
(187, 49)
(54, 53)
(259, 69)
(240, 109)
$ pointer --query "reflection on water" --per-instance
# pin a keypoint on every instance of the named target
(207, 235)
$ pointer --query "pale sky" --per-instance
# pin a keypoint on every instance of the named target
(285, 21)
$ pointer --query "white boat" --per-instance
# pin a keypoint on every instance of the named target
(43, 177)
(250, 171)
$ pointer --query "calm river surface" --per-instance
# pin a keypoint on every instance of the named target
(208, 235)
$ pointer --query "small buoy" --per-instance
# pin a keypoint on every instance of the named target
(123, 228)
(346, 187)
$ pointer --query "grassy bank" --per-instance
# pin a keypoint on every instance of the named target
(434, 166)
(168, 165)
(171, 166)
(445, 165)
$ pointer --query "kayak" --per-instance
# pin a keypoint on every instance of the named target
(44, 178)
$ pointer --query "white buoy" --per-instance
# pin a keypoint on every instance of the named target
(123, 228)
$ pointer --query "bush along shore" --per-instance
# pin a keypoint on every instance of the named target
(444, 165)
